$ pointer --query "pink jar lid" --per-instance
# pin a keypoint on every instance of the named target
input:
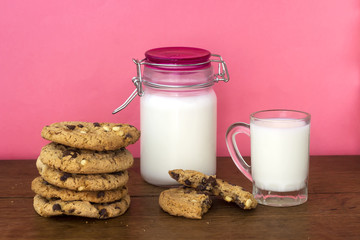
(178, 56)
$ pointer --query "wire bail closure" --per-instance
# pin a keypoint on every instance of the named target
(222, 75)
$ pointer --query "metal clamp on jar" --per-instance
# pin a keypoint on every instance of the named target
(177, 111)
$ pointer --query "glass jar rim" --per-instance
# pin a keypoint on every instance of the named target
(168, 86)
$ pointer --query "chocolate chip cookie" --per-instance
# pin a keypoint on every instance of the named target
(48, 208)
(185, 202)
(74, 160)
(48, 191)
(82, 182)
(194, 179)
(92, 136)
(215, 186)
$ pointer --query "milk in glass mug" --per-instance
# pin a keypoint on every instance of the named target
(279, 155)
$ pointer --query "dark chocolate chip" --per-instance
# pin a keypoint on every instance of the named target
(96, 124)
(187, 182)
(72, 152)
(67, 152)
(212, 181)
(128, 135)
(207, 202)
(56, 207)
(201, 187)
(206, 205)
(204, 180)
(175, 176)
(71, 210)
(100, 194)
(103, 213)
(80, 125)
(65, 176)
(240, 204)
(71, 127)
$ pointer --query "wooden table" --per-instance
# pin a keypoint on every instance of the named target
(332, 211)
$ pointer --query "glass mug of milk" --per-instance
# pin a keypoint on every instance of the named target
(279, 155)
(178, 111)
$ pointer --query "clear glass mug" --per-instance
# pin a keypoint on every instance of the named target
(279, 155)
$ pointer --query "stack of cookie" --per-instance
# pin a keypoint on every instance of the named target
(192, 200)
(83, 170)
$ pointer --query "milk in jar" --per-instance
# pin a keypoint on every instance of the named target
(177, 132)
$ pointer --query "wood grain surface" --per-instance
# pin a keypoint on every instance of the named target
(332, 211)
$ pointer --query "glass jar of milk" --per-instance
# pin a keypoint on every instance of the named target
(177, 111)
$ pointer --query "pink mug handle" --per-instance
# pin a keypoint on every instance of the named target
(240, 163)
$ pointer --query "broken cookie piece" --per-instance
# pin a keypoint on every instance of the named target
(185, 202)
(234, 193)
(214, 186)
(194, 179)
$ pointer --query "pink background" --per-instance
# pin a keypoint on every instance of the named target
(71, 60)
